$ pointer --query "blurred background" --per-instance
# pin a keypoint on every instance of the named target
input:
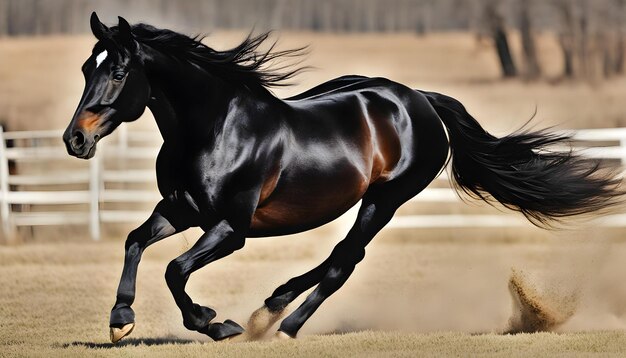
(554, 50)
(559, 61)
(446, 261)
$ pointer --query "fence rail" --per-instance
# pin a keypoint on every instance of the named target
(593, 143)
(88, 181)
(99, 188)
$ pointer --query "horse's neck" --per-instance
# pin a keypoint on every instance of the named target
(180, 103)
(188, 103)
(164, 115)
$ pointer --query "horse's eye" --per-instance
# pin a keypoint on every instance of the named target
(118, 76)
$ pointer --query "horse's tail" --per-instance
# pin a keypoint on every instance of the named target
(520, 172)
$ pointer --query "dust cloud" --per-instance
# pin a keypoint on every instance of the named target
(534, 311)
(566, 283)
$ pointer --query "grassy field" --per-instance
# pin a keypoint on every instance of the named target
(405, 299)
(428, 293)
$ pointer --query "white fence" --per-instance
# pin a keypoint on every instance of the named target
(89, 181)
(603, 143)
(101, 187)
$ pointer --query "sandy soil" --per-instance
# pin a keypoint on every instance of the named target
(56, 297)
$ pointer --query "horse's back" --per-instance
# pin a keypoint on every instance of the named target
(328, 86)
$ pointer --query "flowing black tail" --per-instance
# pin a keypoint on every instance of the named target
(521, 172)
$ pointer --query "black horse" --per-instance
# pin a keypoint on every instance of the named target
(239, 162)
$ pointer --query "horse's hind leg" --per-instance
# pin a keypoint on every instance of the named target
(264, 318)
(378, 206)
(376, 211)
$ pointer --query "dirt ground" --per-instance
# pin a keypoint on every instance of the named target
(406, 298)
(428, 293)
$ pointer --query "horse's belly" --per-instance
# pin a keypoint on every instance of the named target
(297, 210)
(277, 218)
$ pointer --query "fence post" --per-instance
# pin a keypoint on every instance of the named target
(5, 207)
(94, 203)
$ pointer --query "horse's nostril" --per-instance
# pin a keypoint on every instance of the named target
(78, 140)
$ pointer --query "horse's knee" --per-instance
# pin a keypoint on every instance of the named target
(135, 242)
(155, 229)
(133, 247)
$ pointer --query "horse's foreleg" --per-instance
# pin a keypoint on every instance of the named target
(159, 226)
(218, 242)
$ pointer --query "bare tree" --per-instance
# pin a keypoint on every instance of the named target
(495, 22)
(567, 35)
(532, 67)
(583, 37)
(620, 10)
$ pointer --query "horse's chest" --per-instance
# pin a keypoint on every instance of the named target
(169, 169)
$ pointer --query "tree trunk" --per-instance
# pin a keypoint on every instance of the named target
(568, 55)
(583, 38)
(532, 70)
(618, 64)
(498, 33)
(604, 42)
(567, 38)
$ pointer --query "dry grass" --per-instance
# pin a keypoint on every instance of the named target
(56, 298)
(369, 344)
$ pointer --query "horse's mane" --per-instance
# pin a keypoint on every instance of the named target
(245, 63)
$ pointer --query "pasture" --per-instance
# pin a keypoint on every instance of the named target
(422, 292)
(406, 298)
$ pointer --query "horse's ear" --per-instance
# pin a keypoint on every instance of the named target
(126, 34)
(98, 29)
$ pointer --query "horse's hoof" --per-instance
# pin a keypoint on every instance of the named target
(118, 333)
(261, 321)
(221, 331)
(282, 336)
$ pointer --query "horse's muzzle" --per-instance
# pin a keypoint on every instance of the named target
(80, 144)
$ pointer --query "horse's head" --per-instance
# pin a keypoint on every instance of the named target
(116, 88)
